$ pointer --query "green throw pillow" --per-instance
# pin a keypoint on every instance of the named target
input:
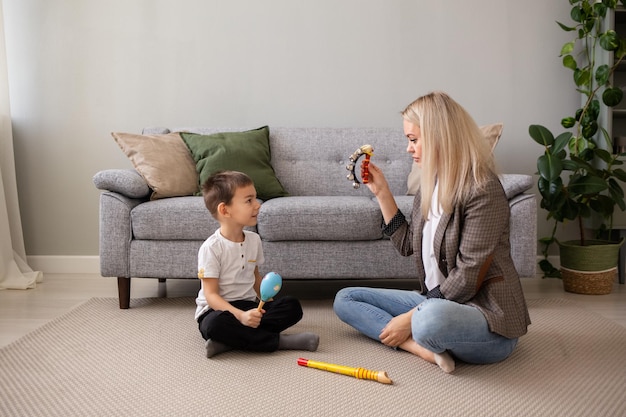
(248, 152)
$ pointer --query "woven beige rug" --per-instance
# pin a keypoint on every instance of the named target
(98, 360)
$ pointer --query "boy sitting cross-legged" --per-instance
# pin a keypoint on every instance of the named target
(228, 262)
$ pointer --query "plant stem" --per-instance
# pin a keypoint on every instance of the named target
(582, 231)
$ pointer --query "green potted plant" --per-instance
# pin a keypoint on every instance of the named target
(579, 174)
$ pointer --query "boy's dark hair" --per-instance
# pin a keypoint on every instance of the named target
(220, 187)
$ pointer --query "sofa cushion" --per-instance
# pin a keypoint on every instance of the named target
(247, 152)
(320, 218)
(491, 132)
(163, 161)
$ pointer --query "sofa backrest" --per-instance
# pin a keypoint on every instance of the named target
(312, 161)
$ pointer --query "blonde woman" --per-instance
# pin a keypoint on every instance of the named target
(470, 306)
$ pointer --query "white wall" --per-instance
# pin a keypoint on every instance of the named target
(79, 69)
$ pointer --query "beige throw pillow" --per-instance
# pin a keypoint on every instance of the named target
(491, 132)
(164, 162)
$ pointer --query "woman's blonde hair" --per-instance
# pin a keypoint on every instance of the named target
(455, 153)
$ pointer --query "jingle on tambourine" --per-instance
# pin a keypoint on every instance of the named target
(366, 150)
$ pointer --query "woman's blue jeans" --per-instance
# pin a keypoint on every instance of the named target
(438, 325)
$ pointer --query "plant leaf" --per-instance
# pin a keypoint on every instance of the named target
(615, 187)
(560, 142)
(548, 270)
(621, 51)
(569, 62)
(541, 135)
(620, 174)
(617, 193)
(602, 74)
(566, 28)
(604, 155)
(576, 14)
(569, 210)
(603, 205)
(609, 40)
(587, 185)
(549, 167)
(582, 77)
(612, 96)
(590, 129)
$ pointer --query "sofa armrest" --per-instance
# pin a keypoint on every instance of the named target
(116, 233)
(515, 184)
(524, 233)
(127, 182)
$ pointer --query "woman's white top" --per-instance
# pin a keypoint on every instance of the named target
(434, 277)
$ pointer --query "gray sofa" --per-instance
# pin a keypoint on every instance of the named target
(324, 230)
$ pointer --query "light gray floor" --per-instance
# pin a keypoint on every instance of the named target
(22, 311)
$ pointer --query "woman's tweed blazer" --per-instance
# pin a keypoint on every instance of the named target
(474, 254)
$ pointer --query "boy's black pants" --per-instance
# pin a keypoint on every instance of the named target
(223, 327)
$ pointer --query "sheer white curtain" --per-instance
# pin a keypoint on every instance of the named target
(14, 271)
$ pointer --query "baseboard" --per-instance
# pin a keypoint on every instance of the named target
(65, 264)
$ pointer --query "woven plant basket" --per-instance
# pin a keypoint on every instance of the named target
(589, 269)
(592, 283)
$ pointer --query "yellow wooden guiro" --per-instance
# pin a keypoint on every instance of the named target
(360, 373)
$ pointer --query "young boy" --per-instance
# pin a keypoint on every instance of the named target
(228, 262)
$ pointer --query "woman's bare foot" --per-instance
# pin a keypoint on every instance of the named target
(443, 360)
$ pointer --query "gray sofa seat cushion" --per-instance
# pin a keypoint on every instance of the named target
(320, 218)
(280, 219)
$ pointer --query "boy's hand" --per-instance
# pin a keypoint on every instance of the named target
(252, 318)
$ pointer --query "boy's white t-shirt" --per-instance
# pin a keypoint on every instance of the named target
(233, 263)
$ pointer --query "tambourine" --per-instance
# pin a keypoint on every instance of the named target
(366, 150)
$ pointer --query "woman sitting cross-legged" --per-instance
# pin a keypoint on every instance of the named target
(470, 306)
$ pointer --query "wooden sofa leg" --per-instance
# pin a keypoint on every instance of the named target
(123, 289)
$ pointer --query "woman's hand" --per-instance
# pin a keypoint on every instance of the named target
(397, 331)
(380, 188)
(377, 182)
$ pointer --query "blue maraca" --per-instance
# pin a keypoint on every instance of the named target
(270, 285)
